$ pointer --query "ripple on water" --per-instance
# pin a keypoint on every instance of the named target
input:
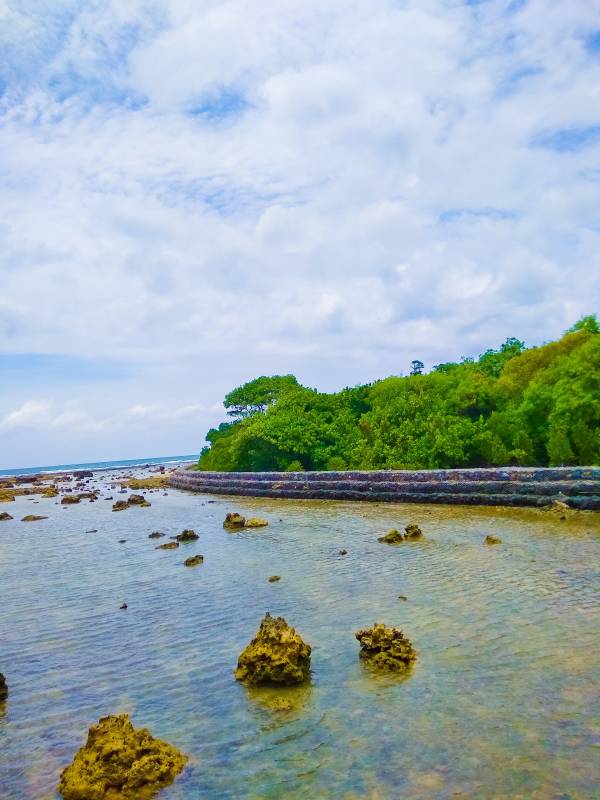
(500, 703)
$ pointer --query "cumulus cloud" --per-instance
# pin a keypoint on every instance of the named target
(211, 190)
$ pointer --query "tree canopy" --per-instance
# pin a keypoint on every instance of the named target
(513, 405)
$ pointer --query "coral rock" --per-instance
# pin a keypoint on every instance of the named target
(32, 518)
(274, 578)
(187, 536)
(120, 505)
(413, 532)
(234, 521)
(138, 500)
(167, 546)
(119, 761)
(5, 516)
(277, 655)
(256, 522)
(156, 535)
(193, 561)
(3, 688)
(70, 499)
(386, 648)
(393, 536)
(492, 540)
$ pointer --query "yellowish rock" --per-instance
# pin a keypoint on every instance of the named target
(276, 656)
(119, 762)
(256, 522)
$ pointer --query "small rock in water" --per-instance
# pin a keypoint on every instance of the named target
(187, 536)
(342, 553)
(122, 541)
(489, 539)
(5, 516)
(167, 546)
(32, 518)
(393, 536)
(386, 648)
(155, 535)
(276, 656)
(123, 606)
(413, 532)
(3, 688)
(120, 505)
(274, 578)
(121, 762)
(402, 597)
(193, 561)
(256, 522)
(234, 522)
(93, 530)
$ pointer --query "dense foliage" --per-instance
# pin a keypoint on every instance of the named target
(514, 405)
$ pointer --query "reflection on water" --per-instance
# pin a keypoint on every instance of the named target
(500, 704)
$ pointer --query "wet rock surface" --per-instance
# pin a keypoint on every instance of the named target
(5, 516)
(193, 561)
(489, 539)
(120, 505)
(187, 536)
(256, 522)
(137, 500)
(32, 518)
(386, 648)
(120, 761)
(167, 546)
(413, 532)
(3, 688)
(234, 522)
(274, 578)
(276, 656)
(393, 536)
(155, 535)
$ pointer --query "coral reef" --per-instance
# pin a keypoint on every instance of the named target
(120, 761)
(386, 648)
(276, 656)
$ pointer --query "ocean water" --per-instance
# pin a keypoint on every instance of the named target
(101, 465)
(502, 702)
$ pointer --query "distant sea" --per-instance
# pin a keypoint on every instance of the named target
(100, 465)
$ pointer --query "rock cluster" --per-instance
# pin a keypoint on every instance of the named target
(386, 648)
(119, 761)
(187, 536)
(395, 536)
(3, 688)
(276, 656)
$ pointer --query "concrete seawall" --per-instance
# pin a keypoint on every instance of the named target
(510, 486)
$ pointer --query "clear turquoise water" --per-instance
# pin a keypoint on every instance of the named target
(503, 702)
(100, 465)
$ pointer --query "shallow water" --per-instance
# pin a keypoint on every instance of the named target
(502, 702)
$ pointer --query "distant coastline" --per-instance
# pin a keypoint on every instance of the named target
(98, 466)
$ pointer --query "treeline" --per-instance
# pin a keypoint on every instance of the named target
(515, 405)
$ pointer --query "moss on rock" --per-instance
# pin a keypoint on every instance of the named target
(276, 656)
(393, 536)
(119, 761)
(413, 532)
(386, 648)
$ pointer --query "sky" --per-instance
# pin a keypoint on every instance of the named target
(197, 192)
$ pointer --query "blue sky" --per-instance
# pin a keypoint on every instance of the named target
(196, 193)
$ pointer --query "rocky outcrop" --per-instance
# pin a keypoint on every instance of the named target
(256, 522)
(3, 688)
(234, 522)
(193, 561)
(137, 500)
(5, 516)
(412, 532)
(187, 536)
(386, 648)
(120, 761)
(276, 656)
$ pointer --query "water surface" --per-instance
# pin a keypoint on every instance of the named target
(501, 704)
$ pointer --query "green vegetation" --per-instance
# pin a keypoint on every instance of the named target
(515, 405)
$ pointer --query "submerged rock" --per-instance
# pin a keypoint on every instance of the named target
(187, 536)
(413, 532)
(256, 522)
(32, 518)
(120, 505)
(274, 578)
(156, 535)
(193, 561)
(168, 546)
(119, 761)
(489, 539)
(386, 648)
(234, 521)
(70, 499)
(342, 552)
(277, 655)
(393, 536)
(3, 688)
(5, 516)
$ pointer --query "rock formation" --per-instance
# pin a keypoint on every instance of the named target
(5, 516)
(137, 500)
(155, 535)
(386, 648)
(193, 561)
(70, 499)
(256, 522)
(413, 532)
(274, 578)
(119, 761)
(234, 522)
(276, 656)
(393, 536)
(3, 688)
(167, 546)
(187, 536)
(489, 539)
(120, 505)
(32, 518)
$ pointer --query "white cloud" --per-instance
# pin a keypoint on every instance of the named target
(213, 190)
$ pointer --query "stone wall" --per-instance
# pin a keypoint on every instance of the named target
(510, 486)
